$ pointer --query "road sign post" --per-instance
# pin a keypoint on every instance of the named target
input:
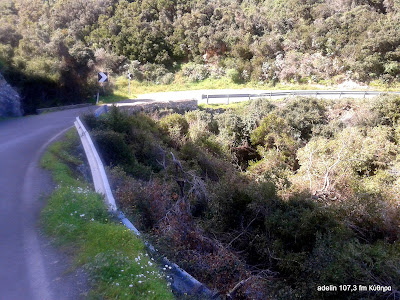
(129, 82)
(101, 78)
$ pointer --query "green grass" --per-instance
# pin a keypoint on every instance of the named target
(234, 105)
(121, 89)
(76, 216)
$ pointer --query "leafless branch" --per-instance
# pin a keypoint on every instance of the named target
(233, 291)
(163, 163)
(329, 170)
(244, 231)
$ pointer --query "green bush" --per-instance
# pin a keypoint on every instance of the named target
(298, 218)
(167, 78)
(199, 124)
(303, 114)
(275, 168)
(388, 108)
(176, 126)
(397, 134)
(342, 162)
(116, 120)
(230, 127)
(275, 143)
(229, 203)
(197, 159)
(113, 148)
(257, 109)
(336, 260)
(273, 132)
(90, 121)
(155, 73)
(195, 72)
(234, 75)
(115, 151)
(372, 217)
(211, 144)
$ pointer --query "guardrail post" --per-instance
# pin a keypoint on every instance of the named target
(228, 99)
(365, 94)
(316, 94)
(270, 95)
(207, 98)
(340, 96)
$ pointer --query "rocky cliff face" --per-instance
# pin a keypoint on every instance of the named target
(10, 101)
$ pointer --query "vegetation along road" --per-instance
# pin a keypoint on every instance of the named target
(30, 268)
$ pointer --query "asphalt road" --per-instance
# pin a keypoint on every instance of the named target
(30, 267)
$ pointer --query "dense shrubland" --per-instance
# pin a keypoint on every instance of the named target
(52, 49)
(260, 203)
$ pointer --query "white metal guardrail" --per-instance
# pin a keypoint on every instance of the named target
(309, 93)
(100, 179)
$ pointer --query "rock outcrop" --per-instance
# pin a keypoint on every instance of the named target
(10, 100)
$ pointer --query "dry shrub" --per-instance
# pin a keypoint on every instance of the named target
(149, 201)
(371, 217)
(351, 113)
(176, 126)
(206, 259)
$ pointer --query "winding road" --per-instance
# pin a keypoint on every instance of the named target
(30, 267)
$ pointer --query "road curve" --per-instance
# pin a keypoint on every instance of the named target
(30, 268)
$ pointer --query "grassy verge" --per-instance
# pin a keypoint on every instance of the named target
(233, 105)
(121, 89)
(116, 260)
